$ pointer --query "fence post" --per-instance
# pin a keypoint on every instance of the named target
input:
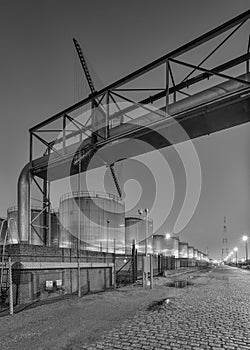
(136, 257)
(78, 277)
(11, 288)
(133, 262)
(151, 271)
(143, 273)
(159, 264)
(114, 266)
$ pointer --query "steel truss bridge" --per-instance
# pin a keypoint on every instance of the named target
(201, 102)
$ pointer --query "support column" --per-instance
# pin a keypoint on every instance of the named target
(167, 88)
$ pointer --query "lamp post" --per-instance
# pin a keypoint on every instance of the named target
(244, 239)
(108, 221)
(236, 255)
(145, 274)
(141, 211)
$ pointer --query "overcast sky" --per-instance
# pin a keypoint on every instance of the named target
(39, 77)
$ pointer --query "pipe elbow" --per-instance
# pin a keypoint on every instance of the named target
(23, 203)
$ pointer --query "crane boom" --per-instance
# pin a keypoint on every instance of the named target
(84, 66)
(92, 89)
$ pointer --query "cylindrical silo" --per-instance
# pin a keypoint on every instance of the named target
(163, 245)
(195, 253)
(3, 228)
(12, 223)
(37, 226)
(183, 250)
(159, 244)
(96, 218)
(190, 252)
(166, 246)
(55, 228)
(138, 228)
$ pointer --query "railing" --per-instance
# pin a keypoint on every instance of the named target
(90, 194)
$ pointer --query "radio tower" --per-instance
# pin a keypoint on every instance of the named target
(224, 251)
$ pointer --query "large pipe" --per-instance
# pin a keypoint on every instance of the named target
(203, 97)
(23, 202)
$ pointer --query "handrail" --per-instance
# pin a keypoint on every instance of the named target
(90, 194)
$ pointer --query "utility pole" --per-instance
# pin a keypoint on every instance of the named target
(245, 239)
(224, 250)
(147, 264)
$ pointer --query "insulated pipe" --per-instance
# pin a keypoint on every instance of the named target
(23, 202)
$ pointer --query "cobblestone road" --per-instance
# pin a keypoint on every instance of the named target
(214, 313)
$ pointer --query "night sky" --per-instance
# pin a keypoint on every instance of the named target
(40, 76)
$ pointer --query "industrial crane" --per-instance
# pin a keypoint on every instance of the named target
(92, 90)
(90, 83)
(84, 66)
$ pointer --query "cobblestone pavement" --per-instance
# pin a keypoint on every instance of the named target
(213, 313)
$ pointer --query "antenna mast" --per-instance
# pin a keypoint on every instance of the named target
(224, 251)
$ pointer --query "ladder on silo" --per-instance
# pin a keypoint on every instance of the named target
(4, 281)
(4, 276)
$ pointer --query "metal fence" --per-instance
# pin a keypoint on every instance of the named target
(132, 268)
(36, 275)
(38, 279)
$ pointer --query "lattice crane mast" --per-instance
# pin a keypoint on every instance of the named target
(92, 89)
(84, 66)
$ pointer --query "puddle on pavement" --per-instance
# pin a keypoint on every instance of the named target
(160, 304)
(179, 284)
(222, 278)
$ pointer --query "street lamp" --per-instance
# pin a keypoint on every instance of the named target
(236, 256)
(146, 261)
(168, 235)
(108, 221)
(141, 211)
(244, 239)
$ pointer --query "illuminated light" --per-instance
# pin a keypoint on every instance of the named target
(245, 238)
(168, 235)
(235, 249)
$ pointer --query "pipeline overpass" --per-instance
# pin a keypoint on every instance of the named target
(111, 120)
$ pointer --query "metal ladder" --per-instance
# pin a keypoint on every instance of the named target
(4, 275)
